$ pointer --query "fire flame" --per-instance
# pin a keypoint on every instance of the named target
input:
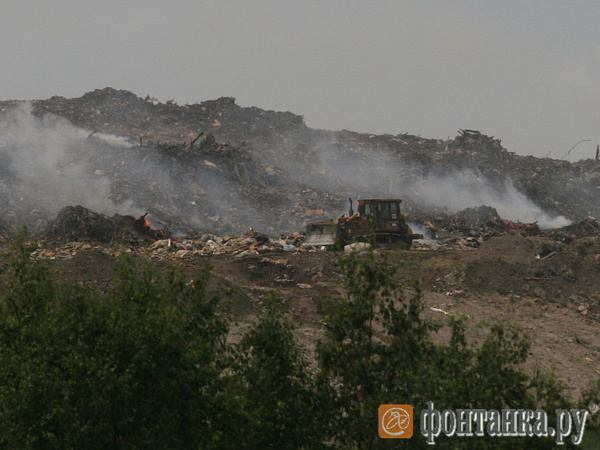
(146, 230)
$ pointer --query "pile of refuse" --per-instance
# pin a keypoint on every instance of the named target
(588, 227)
(201, 184)
(138, 238)
(222, 168)
(75, 223)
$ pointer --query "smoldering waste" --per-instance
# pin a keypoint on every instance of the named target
(218, 168)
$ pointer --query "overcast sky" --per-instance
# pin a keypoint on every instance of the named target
(526, 72)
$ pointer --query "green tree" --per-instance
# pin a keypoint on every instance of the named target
(138, 367)
(374, 349)
(275, 397)
(378, 349)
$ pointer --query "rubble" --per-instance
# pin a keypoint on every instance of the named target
(465, 229)
(77, 228)
(583, 228)
(83, 230)
(218, 167)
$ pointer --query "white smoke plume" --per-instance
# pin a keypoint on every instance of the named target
(47, 163)
(46, 167)
(463, 189)
(381, 174)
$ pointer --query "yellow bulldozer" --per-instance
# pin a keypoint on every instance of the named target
(376, 221)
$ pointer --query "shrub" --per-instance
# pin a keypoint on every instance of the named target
(132, 368)
(378, 349)
(276, 400)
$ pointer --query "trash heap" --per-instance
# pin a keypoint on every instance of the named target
(197, 185)
(466, 229)
(219, 167)
(77, 229)
(588, 227)
(76, 223)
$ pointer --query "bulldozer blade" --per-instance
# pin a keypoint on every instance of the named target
(323, 233)
(319, 239)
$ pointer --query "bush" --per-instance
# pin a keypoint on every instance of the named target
(275, 397)
(130, 369)
(378, 349)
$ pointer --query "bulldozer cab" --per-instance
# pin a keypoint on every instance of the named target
(380, 211)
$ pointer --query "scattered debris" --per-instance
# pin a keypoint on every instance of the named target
(434, 309)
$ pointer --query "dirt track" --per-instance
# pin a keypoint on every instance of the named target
(554, 299)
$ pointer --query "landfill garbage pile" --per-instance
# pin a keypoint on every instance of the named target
(588, 227)
(79, 230)
(197, 185)
(78, 223)
(467, 228)
(216, 167)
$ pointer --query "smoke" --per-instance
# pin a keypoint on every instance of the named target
(115, 141)
(47, 163)
(464, 188)
(366, 171)
(46, 166)
(428, 237)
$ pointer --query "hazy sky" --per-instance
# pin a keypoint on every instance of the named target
(526, 72)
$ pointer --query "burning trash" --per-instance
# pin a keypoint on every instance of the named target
(119, 150)
(142, 226)
(77, 223)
